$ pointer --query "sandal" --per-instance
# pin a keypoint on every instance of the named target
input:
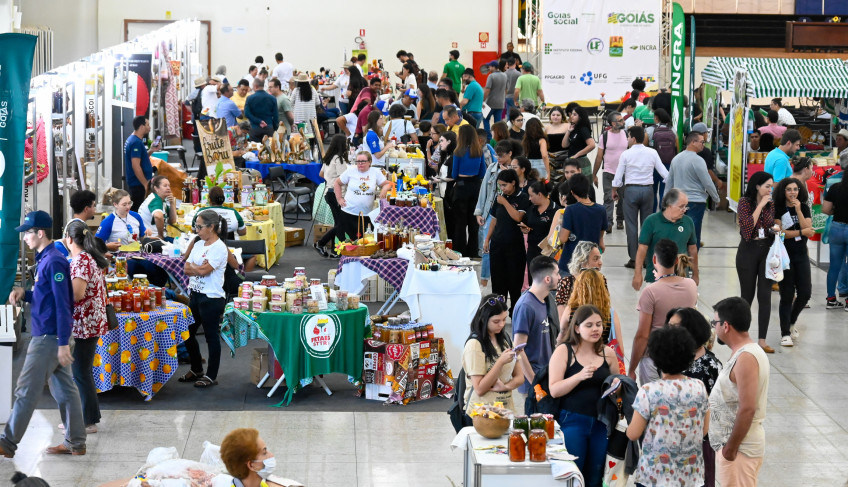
(190, 376)
(205, 382)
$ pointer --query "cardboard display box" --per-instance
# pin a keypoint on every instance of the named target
(319, 230)
(294, 236)
(259, 367)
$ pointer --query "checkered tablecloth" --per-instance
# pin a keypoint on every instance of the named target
(142, 351)
(424, 219)
(238, 327)
(174, 266)
(392, 271)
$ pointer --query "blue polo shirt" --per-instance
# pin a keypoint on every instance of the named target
(777, 164)
(228, 110)
(474, 95)
(52, 296)
(135, 148)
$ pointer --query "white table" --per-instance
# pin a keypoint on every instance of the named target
(448, 300)
(488, 469)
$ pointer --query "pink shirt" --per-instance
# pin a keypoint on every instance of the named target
(617, 143)
(776, 130)
(660, 297)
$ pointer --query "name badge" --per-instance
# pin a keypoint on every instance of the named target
(761, 233)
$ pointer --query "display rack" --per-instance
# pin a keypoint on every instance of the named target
(95, 110)
(68, 175)
(157, 115)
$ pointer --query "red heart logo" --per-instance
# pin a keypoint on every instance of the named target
(611, 464)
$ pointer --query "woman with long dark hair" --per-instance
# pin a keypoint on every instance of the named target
(468, 170)
(356, 84)
(524, 169)
(205, 263)
(374, 138)
(580, 141)
(304, 102)
(488, 359)
(88, 265)
(755, 214)
(556, 131)
(426, 102)
(577, 371)
(535, 145)
(537, 221)
(505, 242)
(793, 215)
(335, 164)
(444, 157)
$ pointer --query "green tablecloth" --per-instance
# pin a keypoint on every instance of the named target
(307, 345)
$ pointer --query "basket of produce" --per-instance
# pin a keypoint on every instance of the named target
(490, 421)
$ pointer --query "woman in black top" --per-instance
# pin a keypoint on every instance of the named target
(577, 371)
(525, 172)
(580, 141)
(537, 220)
(505, 242)
(793, 215)
(447, 144)
(556, 131)
(516, 125)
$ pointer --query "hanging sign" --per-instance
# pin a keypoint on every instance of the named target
(215, 142)
(678, 60)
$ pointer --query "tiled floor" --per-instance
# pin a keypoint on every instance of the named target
(806, 425)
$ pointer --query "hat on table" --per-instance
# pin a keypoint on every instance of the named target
(35, 219)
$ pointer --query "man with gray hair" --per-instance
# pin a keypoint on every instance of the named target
(673, 224)
(261, 109)
(528, 109)
(612, 144)
(688, 173)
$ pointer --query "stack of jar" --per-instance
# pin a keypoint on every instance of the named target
(531, 434)
(402, 331)
(134, 297)
(268, 295)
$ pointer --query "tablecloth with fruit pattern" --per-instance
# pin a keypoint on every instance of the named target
(142, 351)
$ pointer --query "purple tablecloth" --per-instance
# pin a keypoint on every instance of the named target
(392, 271)
(174, 266)
(424, 219)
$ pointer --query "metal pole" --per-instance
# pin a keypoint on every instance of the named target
(691, 69)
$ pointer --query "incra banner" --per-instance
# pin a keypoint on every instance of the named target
(16, 52)
(599, 46)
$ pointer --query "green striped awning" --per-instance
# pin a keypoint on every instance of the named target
(781, 77)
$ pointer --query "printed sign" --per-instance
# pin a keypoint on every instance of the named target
(215, 142)
(594, 47)
(320, 334)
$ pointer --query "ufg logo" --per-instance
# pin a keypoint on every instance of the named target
(588, 77)
(320, 334)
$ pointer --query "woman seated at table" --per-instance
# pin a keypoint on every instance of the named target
(205, 266)
(362, 183)
(159, 208)
(335, 164)
(488, 359)
(234, 221)
(505, 242)
(248, 459)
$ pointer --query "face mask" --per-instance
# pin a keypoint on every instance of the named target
(269, 464)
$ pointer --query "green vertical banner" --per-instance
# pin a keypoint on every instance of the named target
(16, 52)
(678, 60)
(522, 17)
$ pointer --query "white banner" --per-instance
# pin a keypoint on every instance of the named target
(599, 46)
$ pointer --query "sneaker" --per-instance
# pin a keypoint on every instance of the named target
(333, 254)
(786, 341)
(321, 250)
(631, 264)
(793, 332)
(619, 226)
(609, 229)
(89, 429)
(833, 303)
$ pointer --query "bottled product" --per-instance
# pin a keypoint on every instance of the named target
(522, 423)
(537, 445)
(517, 446)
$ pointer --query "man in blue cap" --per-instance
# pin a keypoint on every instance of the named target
(48, 358)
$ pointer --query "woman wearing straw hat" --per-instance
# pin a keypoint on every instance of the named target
(304, 101)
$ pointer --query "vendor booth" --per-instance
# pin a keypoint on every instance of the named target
(749, 78)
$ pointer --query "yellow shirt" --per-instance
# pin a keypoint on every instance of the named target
(455, 128)
(238, 100)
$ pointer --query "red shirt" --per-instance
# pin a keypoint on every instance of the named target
(362, 121)
(90, 311)
(747, 226)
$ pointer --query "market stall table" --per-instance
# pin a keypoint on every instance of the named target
(142, 351)
(426, 220)
(173, 266)
(446, 298)
(272, 231)
(310, 170)
(308, 345)
(360, 269)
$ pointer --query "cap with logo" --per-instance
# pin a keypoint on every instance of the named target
(383, 106)
(411, 93)
(35, 219)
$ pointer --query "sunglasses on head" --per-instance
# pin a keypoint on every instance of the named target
(493, 301)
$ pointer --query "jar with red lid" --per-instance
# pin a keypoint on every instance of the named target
(517, 446)
(537, 445)
(158, 295)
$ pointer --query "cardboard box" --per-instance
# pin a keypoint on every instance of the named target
(294, 236)
(319, 230)
(259, 367)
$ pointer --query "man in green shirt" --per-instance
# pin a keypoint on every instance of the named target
(673, 224)
(528, 86)
(284, 105)
(453, 70)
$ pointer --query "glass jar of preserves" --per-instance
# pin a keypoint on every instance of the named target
(537, 422)
(111, 284)
(517, 446)
(549, 425)
(121, 266)
(126, 301)
(537, 445)
(522, 423)
(136, 305)
(145, 299)
(140, 281)
(123, 284)
(299, 271)
(159, 298)
(269, 280)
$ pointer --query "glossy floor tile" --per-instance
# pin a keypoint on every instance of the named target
(806, 425)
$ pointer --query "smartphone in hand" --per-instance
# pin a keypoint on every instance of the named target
(519, 347)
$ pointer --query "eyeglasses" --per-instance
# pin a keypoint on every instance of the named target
(361, 160)
(684, 209)
(198, 226)
(715, 323)
(495, 300)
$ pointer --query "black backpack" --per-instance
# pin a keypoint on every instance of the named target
(456, 411)
(548, 404)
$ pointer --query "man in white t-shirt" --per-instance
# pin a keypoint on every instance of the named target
(398, 126)
(362, 182)
(209, 98)
(251, 75)
(611, 145)
(283, 71)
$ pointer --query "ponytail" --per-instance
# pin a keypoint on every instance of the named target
(78, 232)
(211, 217)
(683, 262)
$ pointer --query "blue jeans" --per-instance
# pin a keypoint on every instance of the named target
(494, 113)
(344, 107)
(838, 252)
(659, 190)
(696, 213)
(842, 281)
(83, 354)
(41, 366)
(539, 166)
(510, 103)
(585, 437)
(485, 270)
(476, 116)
